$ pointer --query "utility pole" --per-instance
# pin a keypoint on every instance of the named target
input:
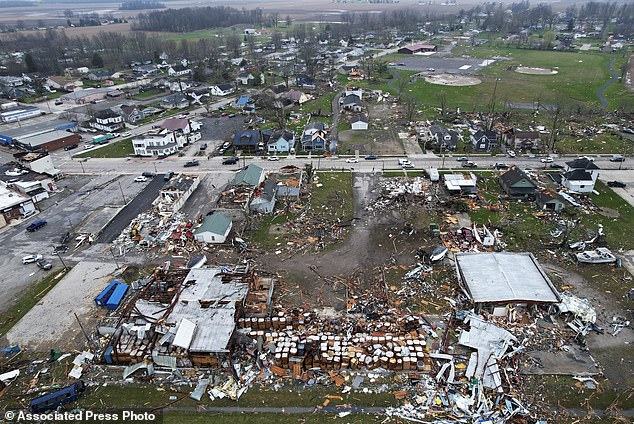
(114, 257)
(122, 195)
(83, 171)
(61, 260)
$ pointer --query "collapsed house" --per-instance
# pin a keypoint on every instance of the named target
(461, 183)
(182, 317)
(173, 196)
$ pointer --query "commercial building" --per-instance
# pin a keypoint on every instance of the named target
(13, 205)
(48, 141)
(20, 114)
(8, 136)
(418, 48)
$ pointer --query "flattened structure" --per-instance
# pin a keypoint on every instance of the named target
(504, 277)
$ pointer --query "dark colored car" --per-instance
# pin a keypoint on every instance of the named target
(370, 157)
(168, 175)
(71, 146)
(203, 146)
(501, 166)
(36, 225)
(617, 158)
(191, 163)
(618, 184)
(148, 174)
(44, 264)
(230, 160)
(556, 166)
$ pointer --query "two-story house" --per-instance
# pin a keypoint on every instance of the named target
(132, 114)
(187, 128)
(221, 89)
(484, 141)
(517, 184)
(580, 176)
(248, 141)
(443, 138)
(281, 141)
(107, 120)
(157, 144)
(178, 71)
(314, 137)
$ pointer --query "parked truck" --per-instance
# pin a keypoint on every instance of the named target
(100, 139)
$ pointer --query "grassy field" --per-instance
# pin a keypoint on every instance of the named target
(599, 144)
(118, 149)
(334, 195)
(29, 298)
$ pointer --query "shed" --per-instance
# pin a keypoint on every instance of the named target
(504, 277)
(550, 201)
(359, 122)
(214, 229)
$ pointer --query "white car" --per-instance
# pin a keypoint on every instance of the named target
(273, 158)
(547, 160)
(511, 153)
(140, 179)
(352, 160)
(30, 259)
(589, 158)
(126, 134)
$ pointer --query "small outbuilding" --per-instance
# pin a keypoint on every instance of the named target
(517, 184)
(214, 229)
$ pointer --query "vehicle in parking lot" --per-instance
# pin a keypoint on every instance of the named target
(500, 165)
(469, 164)
(140, 179)
(511, 153)
(36, 225)
(226, 145)
(44, 264)
(29, 259)
(618, 184)
(617, 158)
(191, 163)
(547, 159)
(352, 160)
(71, 146)
(273, 158)
(231, 160)
(370, 157)
(168, 175)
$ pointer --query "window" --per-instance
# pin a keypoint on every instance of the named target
(582, 186)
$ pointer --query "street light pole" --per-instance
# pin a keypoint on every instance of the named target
(83, 171)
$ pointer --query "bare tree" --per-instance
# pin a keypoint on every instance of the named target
(442, 99)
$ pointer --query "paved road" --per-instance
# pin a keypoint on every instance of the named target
(604, 102)
(137, 205)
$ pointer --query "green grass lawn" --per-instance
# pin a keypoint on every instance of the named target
(614, 228)
(147, 94)
(118, 149)
(31, 296)
(323, 103)
(605, 143)
(334, 197)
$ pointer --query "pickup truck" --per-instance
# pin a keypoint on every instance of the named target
(36, 225)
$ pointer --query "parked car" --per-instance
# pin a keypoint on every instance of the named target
(511, 153)
(44, 264)
(352, 160)
(140, 179)
(370, 157)
(36, 225)
(29, 259)
(618, 184)
(405, 163)
(500, 165)
(65, 238)
(191, 163)
(469, 164)
(71, 146)
(556, 166)
(617, 158)
(547, 160)
(226, 145)
(590, 158)
(232, 115)
(148, 174)
(273, 158)
(168, 175)
(230, 160)
(203, 146)
(59, 102)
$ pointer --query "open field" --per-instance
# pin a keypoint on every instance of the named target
(117, 149)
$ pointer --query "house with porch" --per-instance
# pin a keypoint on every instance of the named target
(517, 184)
(107, 120)
(281, 141)
(484, 141)
(580, 175)
(248, 141)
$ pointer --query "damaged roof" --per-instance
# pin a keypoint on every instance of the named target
(502, 277)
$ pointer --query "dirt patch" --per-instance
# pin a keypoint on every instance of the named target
(381, 138)
(452, 80)
(609, 212)
(535, 71)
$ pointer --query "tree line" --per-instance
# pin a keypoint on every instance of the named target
(193, 19)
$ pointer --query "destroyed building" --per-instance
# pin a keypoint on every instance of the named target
(461, 183)
(174, 195)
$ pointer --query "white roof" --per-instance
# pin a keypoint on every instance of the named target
(457, 181)
(10, 198)
(504, 277)
(209, 286)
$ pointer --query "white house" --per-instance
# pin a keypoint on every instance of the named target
(359, 122)
(178, 71)
(221, 89)
(158, 144)
(107, 120)
(580, 176)
(214, 229)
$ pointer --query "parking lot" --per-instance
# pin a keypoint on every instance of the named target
(440, 65)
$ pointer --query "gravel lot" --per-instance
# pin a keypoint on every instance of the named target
(439, 64)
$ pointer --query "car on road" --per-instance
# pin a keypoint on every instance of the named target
(500, 165)
(511, 153)
(59, 102)
(469, 164)
(352, 160)
(232, 115)
(44, 264)
(618, 184)
(273, 158)
(370, 157)
(140, 179)
(71, 146)
(617, 158)
(148, 174)
(88, 146)
(431, 70)
(462, 159)
(168, 175)
(232, 160)
(126, 134)
(547, 160)
(405, 163)
(191, 163)
(556, 166)
(36, 225)
(29, 259)
(589, 158)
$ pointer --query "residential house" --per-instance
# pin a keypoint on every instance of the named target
(353, 90)
(351, 103)
(484, 141)
(178, 71)
(289, 183)
(443, 138)
(107, 120)
(11, 81)
(523, 140)
(221, 89)
(264, 197)
(183, 127)
(157, 143)
(59, 82)
(281, 141)
(175, 101)
(248, 141)
(517, 184)
(550, 200)
(243, 101)
(215, 228)
(580, 176)
(297, 97)
(252, 176)
(132, 113)
(461, 183)
(178, 86)
(359, 122)
(99, 75)
(245, 78)
(145, 70)
(305, 81)
(314, 137)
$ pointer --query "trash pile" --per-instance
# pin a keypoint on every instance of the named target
(476, 239)
(401, 190)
